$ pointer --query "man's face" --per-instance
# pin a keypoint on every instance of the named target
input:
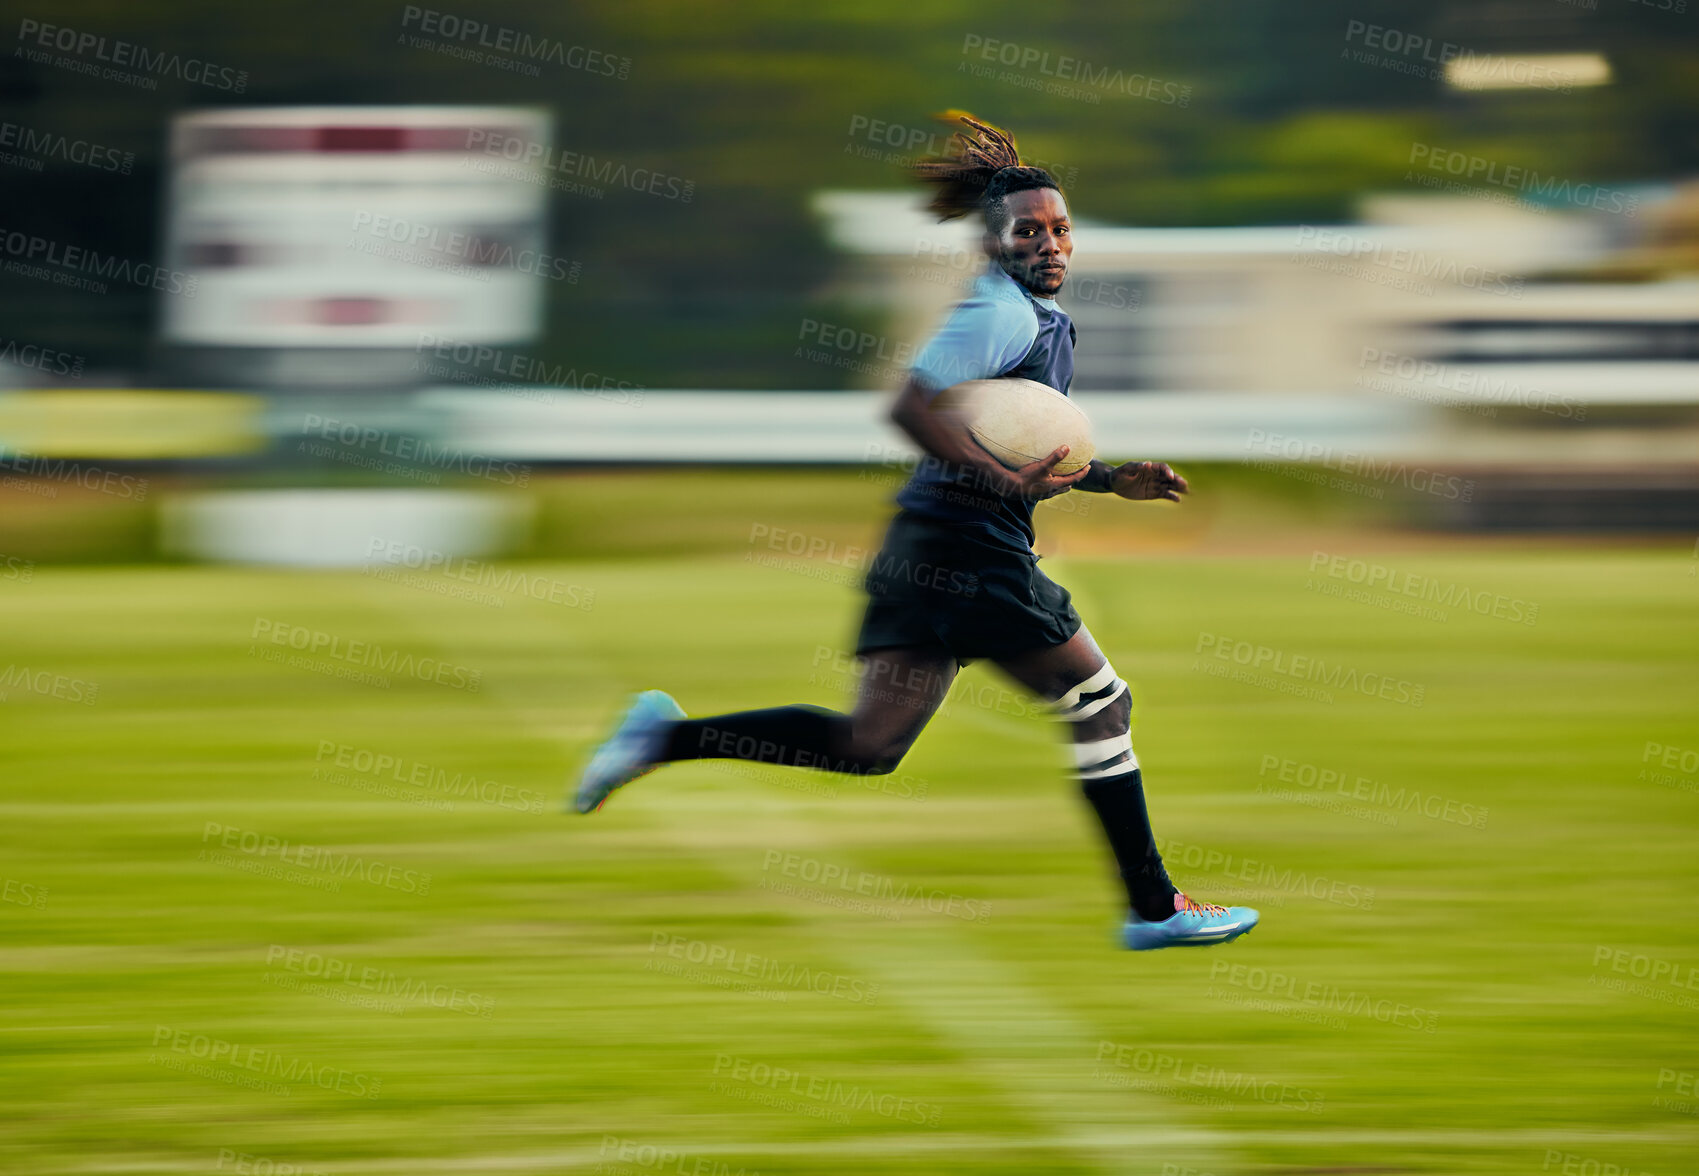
(1037, 241)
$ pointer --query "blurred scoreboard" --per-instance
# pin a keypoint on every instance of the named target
(324, 243)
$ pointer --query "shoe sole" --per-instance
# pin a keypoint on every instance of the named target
(606, 796)
(1189, 942)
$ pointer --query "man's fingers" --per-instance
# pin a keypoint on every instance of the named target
(1043, 466)
(1049, 463)
(1170, 479)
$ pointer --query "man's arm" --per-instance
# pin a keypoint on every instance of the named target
(942, 434)
(1137, 480)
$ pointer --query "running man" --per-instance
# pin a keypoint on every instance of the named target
(956, 579)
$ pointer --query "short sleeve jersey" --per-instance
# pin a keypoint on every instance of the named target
(1001, 330)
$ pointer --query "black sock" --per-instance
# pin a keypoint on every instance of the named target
(795, 736)
(1119, 801)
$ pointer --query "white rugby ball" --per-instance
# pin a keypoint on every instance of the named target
(1019, 421)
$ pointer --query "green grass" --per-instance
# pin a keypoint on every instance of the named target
(1456, 1019)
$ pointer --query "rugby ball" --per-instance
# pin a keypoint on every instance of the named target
(1019, 421)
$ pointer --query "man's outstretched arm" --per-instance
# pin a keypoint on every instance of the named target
(1137, 480)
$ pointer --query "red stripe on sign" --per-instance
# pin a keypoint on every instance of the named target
(328, 140)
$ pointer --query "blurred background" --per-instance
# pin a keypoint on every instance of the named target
(1464, 235)
(380, 380)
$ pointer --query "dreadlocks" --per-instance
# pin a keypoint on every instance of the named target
(979, 168)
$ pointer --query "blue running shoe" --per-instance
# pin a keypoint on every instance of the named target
(630, 751)
(1194, 924)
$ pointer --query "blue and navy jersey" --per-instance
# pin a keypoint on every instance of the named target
(1001, 330)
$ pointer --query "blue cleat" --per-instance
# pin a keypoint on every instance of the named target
(1194, 924)
(630, 751)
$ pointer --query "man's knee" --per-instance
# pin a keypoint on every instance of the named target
(881, 760)
(874, 754)
(1114, 719)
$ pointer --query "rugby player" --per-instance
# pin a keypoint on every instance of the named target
(956, 579)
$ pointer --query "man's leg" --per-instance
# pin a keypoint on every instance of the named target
(1077, 680)
(898, 691)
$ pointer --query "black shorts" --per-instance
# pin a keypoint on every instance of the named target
(946, 587)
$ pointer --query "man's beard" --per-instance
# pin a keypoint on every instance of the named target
(1028, 283)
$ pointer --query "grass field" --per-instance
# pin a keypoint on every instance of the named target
(260, 912)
